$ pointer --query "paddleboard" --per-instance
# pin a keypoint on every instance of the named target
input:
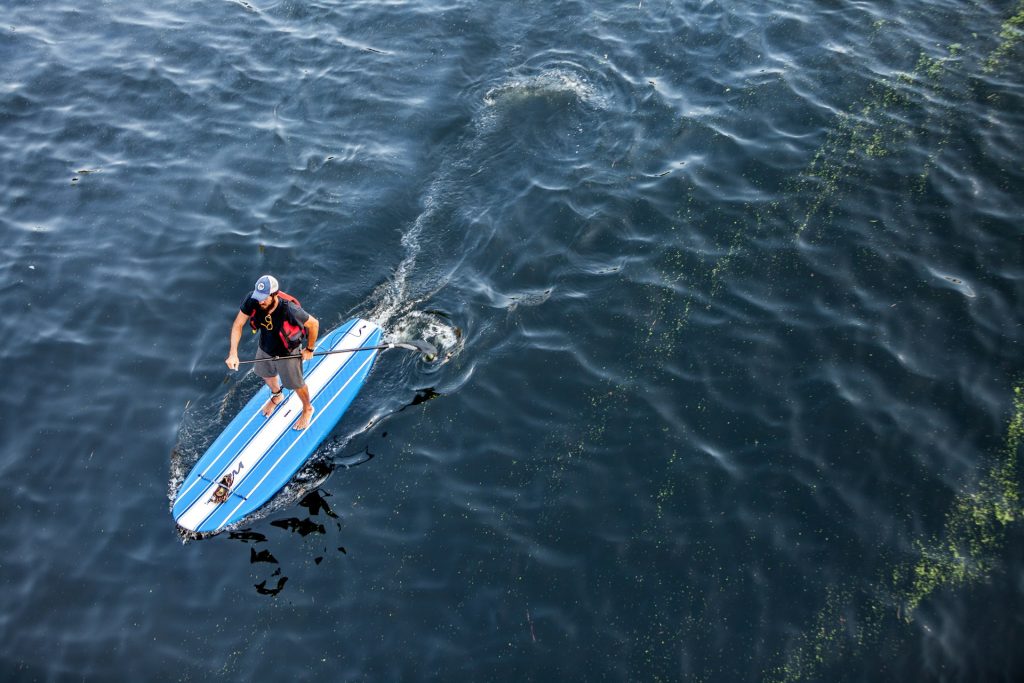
(255, 456)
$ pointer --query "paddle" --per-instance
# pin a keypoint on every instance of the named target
(418, 345)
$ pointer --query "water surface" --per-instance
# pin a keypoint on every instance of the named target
(728, 296)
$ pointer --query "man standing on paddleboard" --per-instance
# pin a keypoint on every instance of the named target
(284, 329)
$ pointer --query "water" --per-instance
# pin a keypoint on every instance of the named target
(728, 296)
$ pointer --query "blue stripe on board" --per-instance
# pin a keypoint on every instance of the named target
(192, 488)
(272, 477)
(256, 404)
(324, 420)
(282, 461)
(329, 410)
(241, 426)
(208, 523)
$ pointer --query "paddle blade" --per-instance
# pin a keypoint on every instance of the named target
(426, 348)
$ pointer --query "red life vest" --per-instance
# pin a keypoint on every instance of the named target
(291, 334)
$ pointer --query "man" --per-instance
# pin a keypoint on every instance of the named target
(284, 328)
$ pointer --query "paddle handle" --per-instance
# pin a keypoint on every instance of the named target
(324, 353)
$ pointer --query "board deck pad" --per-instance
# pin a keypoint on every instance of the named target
(255, 456)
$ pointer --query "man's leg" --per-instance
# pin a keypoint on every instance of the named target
(307, 408)
(267, 369)
(276, 397)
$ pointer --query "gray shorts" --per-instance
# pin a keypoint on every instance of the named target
(289, 370)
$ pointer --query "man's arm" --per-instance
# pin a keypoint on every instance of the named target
(312, 331)
(236, 336)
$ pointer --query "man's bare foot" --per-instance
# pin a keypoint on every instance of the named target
(274, 402)
(303, 420)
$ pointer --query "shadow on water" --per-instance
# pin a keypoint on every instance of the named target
(311, 526)
(261, 556)
(422, 396)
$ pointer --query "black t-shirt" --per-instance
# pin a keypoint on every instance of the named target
(274, 326)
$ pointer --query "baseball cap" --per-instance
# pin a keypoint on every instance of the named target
(265, 286)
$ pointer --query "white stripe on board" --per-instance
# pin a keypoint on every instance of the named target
(292, 445)
(213, 462)
(277, 425)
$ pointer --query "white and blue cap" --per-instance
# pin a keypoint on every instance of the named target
(265, 286)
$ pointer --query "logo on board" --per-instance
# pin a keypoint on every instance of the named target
(223, 490)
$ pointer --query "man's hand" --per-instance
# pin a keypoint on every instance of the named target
(307, 355)
(236, 335)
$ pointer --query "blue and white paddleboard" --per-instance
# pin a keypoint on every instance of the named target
(255, 456)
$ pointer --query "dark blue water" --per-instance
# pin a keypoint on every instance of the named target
(729, 302)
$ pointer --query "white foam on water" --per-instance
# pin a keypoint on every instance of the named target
(394, 302)
(392, 296)
(546, 83)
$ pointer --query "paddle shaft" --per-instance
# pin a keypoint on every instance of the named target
(328, 353)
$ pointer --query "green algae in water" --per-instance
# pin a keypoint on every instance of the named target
(877, 127)
(851, 619)
(965, 552)
(1010, 36)
(975, 527)
(837, 632)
